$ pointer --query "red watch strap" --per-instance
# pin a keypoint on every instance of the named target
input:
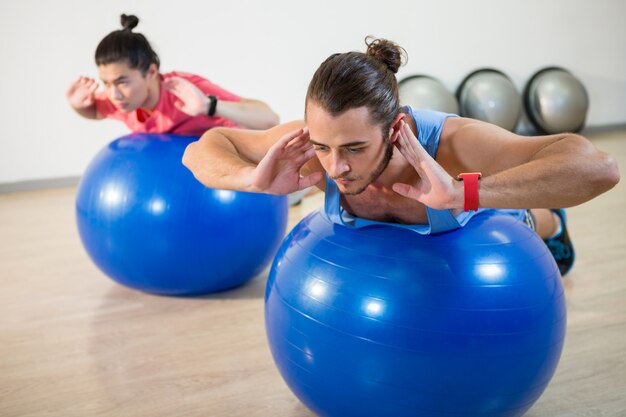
(470, 190)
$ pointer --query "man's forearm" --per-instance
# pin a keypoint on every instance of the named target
(252, 114)
(87, 112)
(566, 173)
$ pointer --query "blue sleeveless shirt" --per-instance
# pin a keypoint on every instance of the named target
(429, 125)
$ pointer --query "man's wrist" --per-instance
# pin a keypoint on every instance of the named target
(470, 190)
(458, 196)
(247, 174)
(90, 111)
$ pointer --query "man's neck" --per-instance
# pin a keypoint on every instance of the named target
(398, 171)
(154, 94)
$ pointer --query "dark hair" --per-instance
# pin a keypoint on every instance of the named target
(125, 45)
(355, 79)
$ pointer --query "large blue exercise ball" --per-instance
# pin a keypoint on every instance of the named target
(148, 224)
(381, 321)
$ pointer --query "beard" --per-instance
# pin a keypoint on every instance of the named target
(376, 172)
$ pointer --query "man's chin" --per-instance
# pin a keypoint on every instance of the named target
(351, 189)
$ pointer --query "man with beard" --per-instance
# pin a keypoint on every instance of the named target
(424, 170)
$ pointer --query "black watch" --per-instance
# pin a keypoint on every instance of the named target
(212, 105)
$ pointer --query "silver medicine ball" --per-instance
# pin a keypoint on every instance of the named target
(424, 92)
(489, 95)
(556, 101)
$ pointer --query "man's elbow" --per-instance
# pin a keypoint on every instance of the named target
(612, 175)
(270, 121)
(189, 156)
(607, 173)
(603, 172)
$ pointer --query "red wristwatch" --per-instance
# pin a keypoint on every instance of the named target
(470, 189)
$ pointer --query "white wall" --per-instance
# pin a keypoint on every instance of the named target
(269, 50)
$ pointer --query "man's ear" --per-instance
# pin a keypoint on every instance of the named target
(152, 72)
(394, 131)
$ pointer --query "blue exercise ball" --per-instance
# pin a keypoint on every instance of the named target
(148, 224)
(382, 321)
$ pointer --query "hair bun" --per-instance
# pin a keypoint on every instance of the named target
(385, 51)
(129, 22)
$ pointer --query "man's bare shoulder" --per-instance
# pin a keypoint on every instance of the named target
(288, 126)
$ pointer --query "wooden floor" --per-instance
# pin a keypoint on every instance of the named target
(74, 343)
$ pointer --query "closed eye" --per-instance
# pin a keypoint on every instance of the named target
(354, 150)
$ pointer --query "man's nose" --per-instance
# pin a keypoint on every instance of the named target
(115, 93)
(338, 165)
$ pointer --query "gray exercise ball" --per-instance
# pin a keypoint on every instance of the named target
(488, 94)
(424, 92)
(556, 101)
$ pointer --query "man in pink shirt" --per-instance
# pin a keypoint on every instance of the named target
(147, 101)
